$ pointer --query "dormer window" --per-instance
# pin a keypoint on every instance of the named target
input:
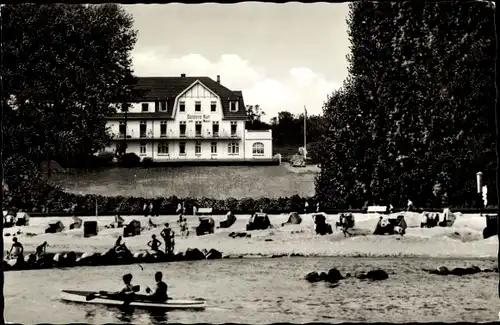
(182, 107)
(163, 106)
(233, 106)
(145, 107)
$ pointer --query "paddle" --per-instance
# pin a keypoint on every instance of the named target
(94, 295)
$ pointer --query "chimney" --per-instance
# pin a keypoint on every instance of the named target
(183, 75)
(218, 78)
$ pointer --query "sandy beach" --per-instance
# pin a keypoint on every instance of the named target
(462, 240)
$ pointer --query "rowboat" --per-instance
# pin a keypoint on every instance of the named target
(140, 301)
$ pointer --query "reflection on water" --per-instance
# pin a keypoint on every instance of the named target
(263, 291)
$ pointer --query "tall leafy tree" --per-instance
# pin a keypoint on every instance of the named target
(65, 68)
(421, 75)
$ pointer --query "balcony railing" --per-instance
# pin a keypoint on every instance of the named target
(134, 135)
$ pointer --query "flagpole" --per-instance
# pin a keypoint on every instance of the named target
(305, 134)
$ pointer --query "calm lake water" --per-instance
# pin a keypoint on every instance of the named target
(262, 291)
(201, 181)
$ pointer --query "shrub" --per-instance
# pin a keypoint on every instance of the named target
(147, 162)
(130, 160)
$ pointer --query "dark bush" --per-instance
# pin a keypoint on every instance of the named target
(130, 160)
(147, 162)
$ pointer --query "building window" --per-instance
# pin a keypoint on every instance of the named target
(233, 148)
(163, 129)
(258, 149)
(142, 129)
(182, 129)
(213, 148)
(142, 149)
(163, 107)
(197, 106)
(197, 148)
(182, 148)
(234, 127)
(122, 129)
(197, 129)
(145, 107)
(182, 107)
(162, 148)
(157, 106)
(233, 106)
(215, 129)
(213, 106)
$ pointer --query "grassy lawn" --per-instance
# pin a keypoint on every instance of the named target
(208, 181)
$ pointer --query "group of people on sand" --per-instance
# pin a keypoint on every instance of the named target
(149, 210)
(168, 236)
(159, 294)
(17, 249)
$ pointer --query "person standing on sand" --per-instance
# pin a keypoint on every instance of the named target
(195, 210)
(166, 234)
(145, 210)
(183, 208)
(409, 206)
(154, 244)
(179, 208)
(306, 207)
(317, 207)
(151, 209)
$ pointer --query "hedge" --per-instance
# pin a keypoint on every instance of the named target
(42, 197)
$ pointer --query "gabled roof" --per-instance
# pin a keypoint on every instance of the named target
(168, 88)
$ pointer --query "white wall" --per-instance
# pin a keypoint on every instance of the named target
(253, 137)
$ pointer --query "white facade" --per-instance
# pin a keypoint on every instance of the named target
(196, 130)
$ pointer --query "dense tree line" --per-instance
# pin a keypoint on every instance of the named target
(415, 118)
(288, 129)
(64, 69)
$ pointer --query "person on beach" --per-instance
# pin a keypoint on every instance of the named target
(119, 221)
(409, 206)
(166, 234)
(151, 223)
(41, 249)
(160, 294)
(154, 243)
(17, 249)
(119, 246)
(184, 227)
(179, 208)
(151, 209)
(145, 210)
(183, 208)
(8, 220)
(306, 207)
(195, 210)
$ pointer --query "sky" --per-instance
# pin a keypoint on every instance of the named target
(282, 56)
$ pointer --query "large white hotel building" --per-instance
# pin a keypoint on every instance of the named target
(189, 119)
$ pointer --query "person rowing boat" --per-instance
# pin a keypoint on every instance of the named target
(160, 293)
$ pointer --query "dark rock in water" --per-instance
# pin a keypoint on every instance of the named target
(213, 254)
(360, 275)
(377, 275)
(194, 254)
(6, 266)
(179, 256)
(323, 276)
(268, 239)
(6, 234)
(458, 271)
(442, 270)
(46, 261)
(313, 277)
(70, 259)
(30, 259)
(334, 275)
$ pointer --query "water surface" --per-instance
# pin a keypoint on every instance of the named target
(259, 291)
